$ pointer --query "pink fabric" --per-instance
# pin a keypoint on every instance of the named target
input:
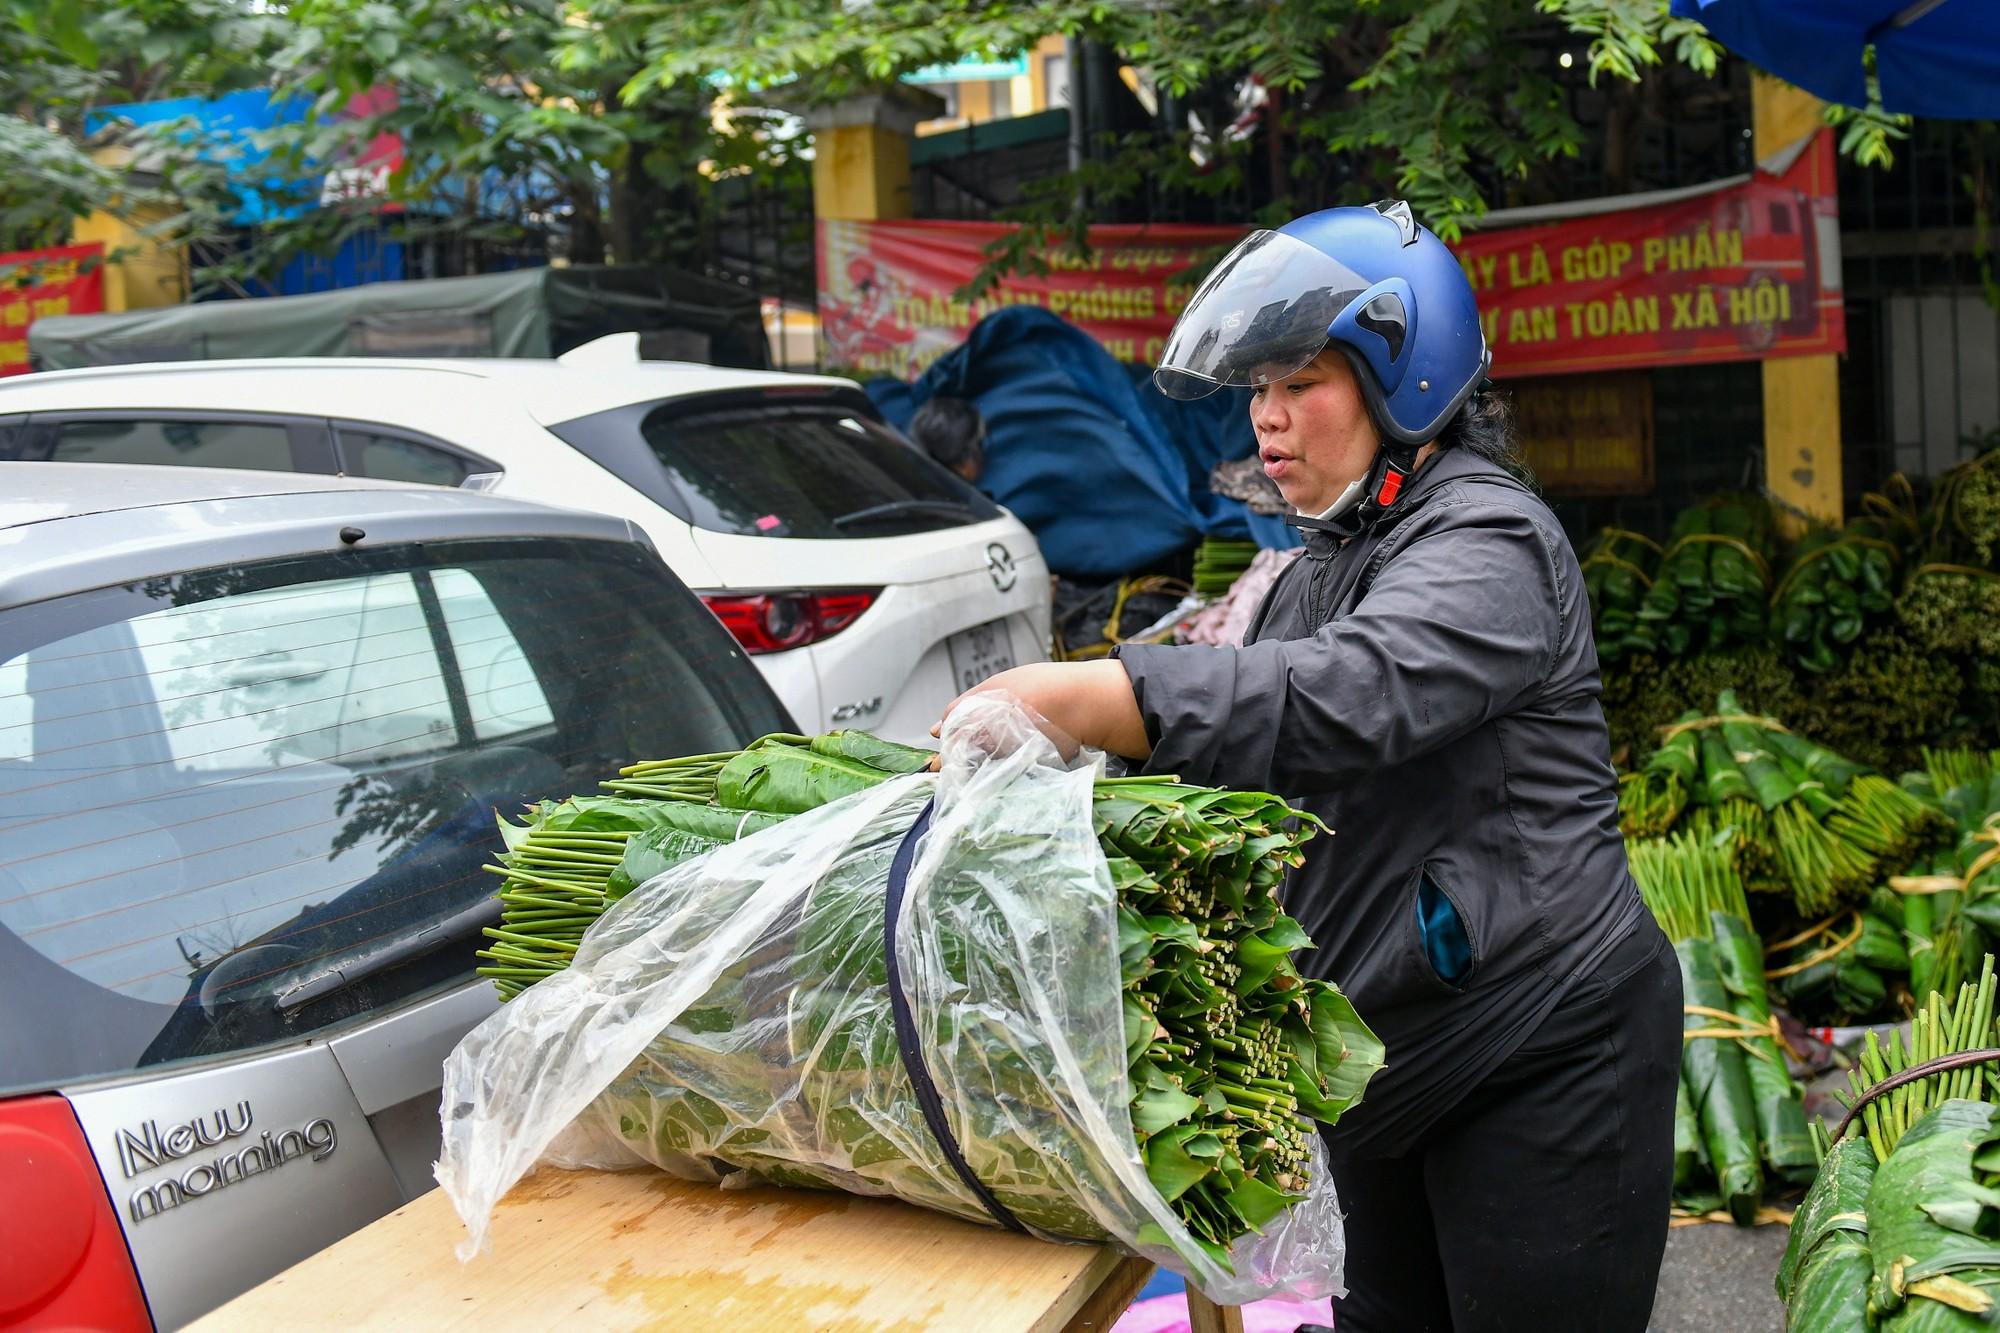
(1222, 624)
(1169, 1314)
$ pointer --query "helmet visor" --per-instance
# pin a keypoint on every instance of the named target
(1260, 316)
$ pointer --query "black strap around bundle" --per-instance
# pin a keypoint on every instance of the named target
(906, 1027)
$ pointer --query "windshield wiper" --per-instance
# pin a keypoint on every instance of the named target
(906, 509)
(466, 921)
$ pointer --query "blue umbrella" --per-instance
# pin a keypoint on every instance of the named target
(1938, 58)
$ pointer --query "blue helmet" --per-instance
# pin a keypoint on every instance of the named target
(1371, 281)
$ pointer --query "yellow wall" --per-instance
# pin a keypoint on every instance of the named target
(1038, 84)
(861, 171)
(1802, 443)
(150, 274)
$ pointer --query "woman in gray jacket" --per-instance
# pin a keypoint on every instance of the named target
(1424, 680)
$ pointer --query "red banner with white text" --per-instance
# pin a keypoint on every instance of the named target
(1739, 272)
(65, 280)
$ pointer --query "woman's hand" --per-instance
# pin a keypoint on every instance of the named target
(1090, 703)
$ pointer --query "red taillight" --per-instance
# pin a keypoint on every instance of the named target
(771, 622)
(63, 1262)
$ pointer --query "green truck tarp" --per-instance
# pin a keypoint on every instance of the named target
(540, 312)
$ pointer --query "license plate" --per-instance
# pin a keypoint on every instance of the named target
(979, 652)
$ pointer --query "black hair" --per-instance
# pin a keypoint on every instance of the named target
(950, 430)
(1484, 425)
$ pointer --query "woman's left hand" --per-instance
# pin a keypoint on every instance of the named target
(1089, 703)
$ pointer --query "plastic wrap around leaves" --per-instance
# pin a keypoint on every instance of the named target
(729, 1020)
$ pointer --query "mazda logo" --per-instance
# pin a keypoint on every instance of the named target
(1000, 564)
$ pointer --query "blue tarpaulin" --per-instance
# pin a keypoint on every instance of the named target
(226, 129)
(1110, 474)
(1938, 58)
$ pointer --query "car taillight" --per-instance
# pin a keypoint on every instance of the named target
(63, 1261)
(771, 622)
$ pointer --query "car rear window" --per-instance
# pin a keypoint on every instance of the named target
(242, 804)
(777, 470)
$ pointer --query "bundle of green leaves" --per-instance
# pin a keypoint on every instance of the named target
(1837, 583)
(1793, 815)
(1231, 1055)
(1889, 699)
(1645, 694)
(1736, 1091)
(1950, 896)
(1618, 569)
(1953, 609)
(1713, 581)
(1897, 1231)
(1743, 758)
(1219, 562)
(1962, 521)
(1650, 800)
(1846, 967)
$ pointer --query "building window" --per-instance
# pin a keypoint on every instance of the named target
(1055, 79)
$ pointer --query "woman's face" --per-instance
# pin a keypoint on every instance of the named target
(1313, 432)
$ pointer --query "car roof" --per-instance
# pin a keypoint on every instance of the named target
(70, 527)
(39, 492)
(550, 391)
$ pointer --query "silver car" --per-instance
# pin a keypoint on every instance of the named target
(254, 730)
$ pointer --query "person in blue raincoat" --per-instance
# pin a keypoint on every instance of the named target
(1424, 679)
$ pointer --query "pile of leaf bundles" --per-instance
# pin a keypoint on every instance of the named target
(1889, 699)
(1898, 1230)
(1951, 897)
(1795, 814)
(1838, 581)
(1618, 568)
(1845, 968)
(1229, 1058)
(1736, 1089)
(1219, 562)
(1713, 582)
(1643, 695)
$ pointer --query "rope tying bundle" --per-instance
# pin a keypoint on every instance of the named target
(1739, 1029)
(1667, 733)
(1814, 959)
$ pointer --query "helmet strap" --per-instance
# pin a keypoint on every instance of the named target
(1387, 478)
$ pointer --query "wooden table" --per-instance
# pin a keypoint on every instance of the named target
(640, 1250)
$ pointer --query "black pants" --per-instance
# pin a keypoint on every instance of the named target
(1541, 1203)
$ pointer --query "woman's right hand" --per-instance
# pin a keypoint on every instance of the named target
(1074, 703)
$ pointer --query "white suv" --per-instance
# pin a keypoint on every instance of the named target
(869, 584)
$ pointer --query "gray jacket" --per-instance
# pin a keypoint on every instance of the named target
(1429, 688)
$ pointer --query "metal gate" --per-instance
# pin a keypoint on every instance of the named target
(1920, 388)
